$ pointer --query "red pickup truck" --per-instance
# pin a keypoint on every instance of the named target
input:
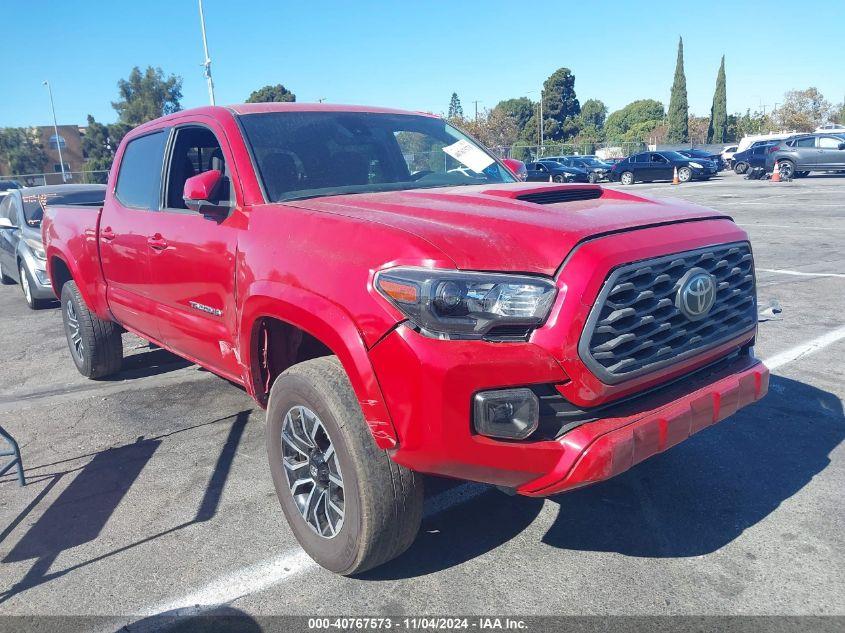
(401, 304)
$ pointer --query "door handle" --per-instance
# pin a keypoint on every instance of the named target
(157, 242)
(107, 234)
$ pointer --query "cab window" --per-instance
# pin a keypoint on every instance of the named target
(139, 180)
(195, 150)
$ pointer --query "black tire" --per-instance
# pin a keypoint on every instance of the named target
(593, 178)
(26, 288)
(559, 178)
(786, 168)
(684, 174)
(101, 351)
(382, 501)
(741, 168)
(627, 178)
(4, 279)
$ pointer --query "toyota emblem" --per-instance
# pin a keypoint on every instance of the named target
(696, 295)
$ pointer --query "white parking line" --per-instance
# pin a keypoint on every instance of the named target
(791, 226)
(798, 273)
(270, 572)
(265, 574)
(810, 347)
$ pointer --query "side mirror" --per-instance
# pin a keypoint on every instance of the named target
(6, 223)
(842, 146)
(201, 191)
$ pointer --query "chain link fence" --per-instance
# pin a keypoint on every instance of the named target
(50, 178)
(604, 149)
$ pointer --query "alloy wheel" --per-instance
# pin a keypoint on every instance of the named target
(27, 291)
(627, 178)
(75, 335)
(313, 471)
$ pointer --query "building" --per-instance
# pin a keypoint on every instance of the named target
(69, 140)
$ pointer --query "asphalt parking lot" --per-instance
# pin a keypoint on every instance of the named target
(150, 492)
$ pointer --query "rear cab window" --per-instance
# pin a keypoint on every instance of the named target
(139, 180)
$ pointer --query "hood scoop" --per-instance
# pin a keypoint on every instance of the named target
(561, 194)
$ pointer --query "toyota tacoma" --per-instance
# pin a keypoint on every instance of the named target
(402, 305)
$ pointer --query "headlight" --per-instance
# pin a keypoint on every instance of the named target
(697, 165)
(36, 247)
(463, 305)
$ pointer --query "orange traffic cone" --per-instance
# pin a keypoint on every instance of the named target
(675, 180)
(776, 173)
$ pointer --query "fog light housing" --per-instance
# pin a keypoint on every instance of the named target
(511, 414)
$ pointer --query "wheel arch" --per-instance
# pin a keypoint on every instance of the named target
(298, 315)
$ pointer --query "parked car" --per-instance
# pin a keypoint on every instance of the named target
(546, 170)
(22, 257)
(805, 153)
(516, 167)
(596, 170)
(398, 319)
(728, 155)
(753, 157)
(698, 154)
(650, 166)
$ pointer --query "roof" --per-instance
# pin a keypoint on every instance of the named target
(253, 108)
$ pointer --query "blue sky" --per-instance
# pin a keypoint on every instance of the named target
(414, 54)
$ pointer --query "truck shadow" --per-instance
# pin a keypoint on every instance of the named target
(689, 501)
(704, 493)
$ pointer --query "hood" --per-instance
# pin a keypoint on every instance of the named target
(487, 227)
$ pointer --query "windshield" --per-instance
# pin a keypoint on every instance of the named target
(310, 154)
(592, 162)
(33, 205)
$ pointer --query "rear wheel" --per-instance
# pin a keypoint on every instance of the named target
(95, 345)
(741, 168)
(627, 178)
(26, 288)
(685, 174)
(349, 505)
(4, 279)
(786, 168)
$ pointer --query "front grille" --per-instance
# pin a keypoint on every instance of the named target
(635, 326)
(563, 194)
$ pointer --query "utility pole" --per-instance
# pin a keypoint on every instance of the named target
(56, 130)
(207, 63)
(476, 102)
(540, 149)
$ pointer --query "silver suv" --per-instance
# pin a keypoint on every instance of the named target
(798, 155)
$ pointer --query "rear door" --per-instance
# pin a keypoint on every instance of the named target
(127, 223)
(828, 152)
(192, 258)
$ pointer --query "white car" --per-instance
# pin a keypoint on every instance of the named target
(728, 154)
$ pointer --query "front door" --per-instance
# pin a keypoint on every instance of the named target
(192, 262)
(659, 167)
(126, 225)
(830, 156)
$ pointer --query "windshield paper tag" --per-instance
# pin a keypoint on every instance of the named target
(467, 154)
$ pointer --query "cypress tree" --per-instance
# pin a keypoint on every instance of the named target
(717, 132)
(456, 111)
(678, 118)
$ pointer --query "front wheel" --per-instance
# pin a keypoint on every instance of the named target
(685, 174)
(95, 345)
(348, 504)
(559, 178)
(26, 288)
(740, 168)
(627, 178)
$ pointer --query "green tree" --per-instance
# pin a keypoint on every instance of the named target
(717, 131)
(520, 110)
(456, 110)
(271, 94)
(634, 122)
(147, 96)
(678, 118)
(21, 150)
(593, 113)
(803, 110)
(560, 106)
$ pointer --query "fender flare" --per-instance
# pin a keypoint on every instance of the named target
(333, 326)
(93, 291)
